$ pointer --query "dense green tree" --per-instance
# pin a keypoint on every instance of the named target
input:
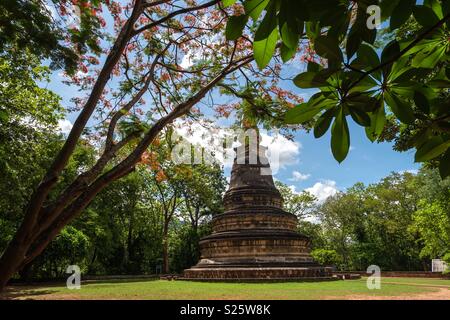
(432, 218)
(71, 247)
(326, 257)
(399, 223)
(341, 219)
(29, 116)
(42, 28)
(298, 203)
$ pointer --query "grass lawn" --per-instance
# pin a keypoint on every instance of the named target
(401, 288)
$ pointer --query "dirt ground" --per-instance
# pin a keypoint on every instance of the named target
(442, 294)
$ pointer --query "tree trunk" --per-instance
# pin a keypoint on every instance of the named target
(14, 254)
(26, 272)
(166, 248)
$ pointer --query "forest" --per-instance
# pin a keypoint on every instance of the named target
(106, 195)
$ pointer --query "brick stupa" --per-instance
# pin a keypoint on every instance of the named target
(255, 238)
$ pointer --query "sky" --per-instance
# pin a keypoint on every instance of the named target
(305, 163)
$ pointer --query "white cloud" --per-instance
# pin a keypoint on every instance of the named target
(281, 151)
(411, 171)
(298, 176)
(188, 60)
(64, 126)
(323, 190)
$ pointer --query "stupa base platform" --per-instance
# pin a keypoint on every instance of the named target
(258, 274)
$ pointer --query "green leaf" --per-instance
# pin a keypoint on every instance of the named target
(428, 59)
(425, 16)
(400, 67)
(322, 100)
(391, 50)
(444, 166)
(301, 113)
(354, 40)
(365, 84)
(254, 8)
(421, 101)
(439, 83)
(313, 67)
(368, 55)
(263, 50)
(431, 149)
(359, 116)
(268, 24)
(286, 52)
(340, 137)
(227, 3)
(312, 29)
(359, 31)
(309, 80)
(323, 123)
(235, 26)
(445, 7)
(379, 119)
(400, 108)
(387, 7)
(368, 58)
(436, 6)
(401, 13)
(328, 48)
(290, 38)
(4, 116)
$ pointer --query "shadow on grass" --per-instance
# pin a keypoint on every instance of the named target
(106, 281)
(29, 290)
(14, 293)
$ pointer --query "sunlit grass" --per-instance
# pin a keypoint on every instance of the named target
(162, 289)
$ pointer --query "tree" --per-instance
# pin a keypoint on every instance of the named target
(299, 204)
(340, 218)
(359, 82)
(398, 223)
(203, 187)
(31, 26)
(431, 220)
(326, 257)
(149, 40)
(29, 116)
(389, 206)
(69, 248)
